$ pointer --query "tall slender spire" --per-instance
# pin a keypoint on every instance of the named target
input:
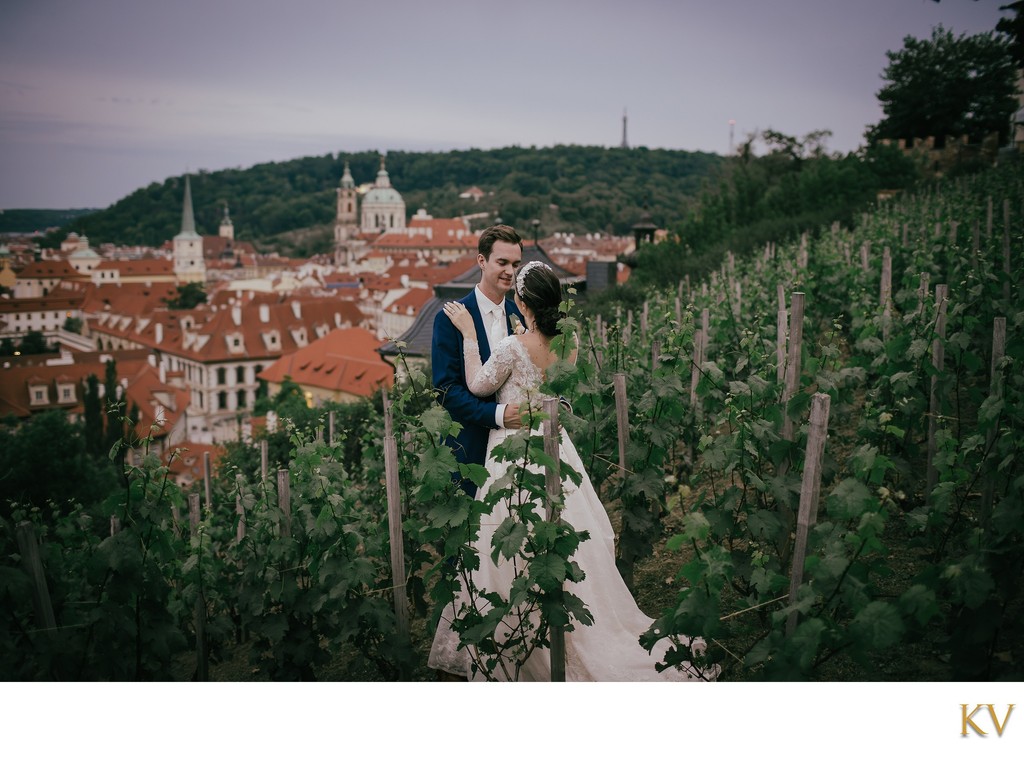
(188, 219)
(625, 143)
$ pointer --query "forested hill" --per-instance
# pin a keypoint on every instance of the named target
(31, 220)
(568, 188)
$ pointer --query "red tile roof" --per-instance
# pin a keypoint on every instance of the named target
(344, 360)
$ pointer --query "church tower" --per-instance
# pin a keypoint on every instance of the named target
(227, 229)
(345, 220)
(188, 246)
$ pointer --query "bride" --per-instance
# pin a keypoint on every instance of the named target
(609, 648)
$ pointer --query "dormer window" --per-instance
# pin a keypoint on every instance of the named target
(272, 339)
(66, 392)
(235, 342)
(39, 394)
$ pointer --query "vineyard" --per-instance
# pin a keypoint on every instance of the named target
(813, 461)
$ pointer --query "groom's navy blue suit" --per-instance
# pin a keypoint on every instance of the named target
(476, 415)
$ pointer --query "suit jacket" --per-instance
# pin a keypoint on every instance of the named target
(476, 415)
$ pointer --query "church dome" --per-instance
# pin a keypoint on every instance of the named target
(382, 195)
(84, 254)
(382, 192)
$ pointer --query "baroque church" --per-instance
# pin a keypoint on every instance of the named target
(382, 210)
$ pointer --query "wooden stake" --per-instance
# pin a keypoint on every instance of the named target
(32, 563)
(864, 256)
(239, 510)
(330, 427)
(207, 485)
(395, 532)
(809, 494)
(885, 294)
(793, 360)
(995, 391)
(655, 355)
(553, 486)
(922, 292)
(263, 460)
(202, 655)
(622, 417)
(935, 404)
(284, 502)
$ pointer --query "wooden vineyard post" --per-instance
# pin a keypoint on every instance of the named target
(885, 293)
(284, 502)
(395, 522)
(263, 460)
(864, 256)
(793, 359)
(922, 292)
(975, 244)
(810, 490)
(655, 355)
(207, 485)
(988, 222)
(995, 391)
(202, 657)
(698, 360)
(553, 486)
(679, 310)
(780, 340)
(938, 359)
(239, 510)
(622, 417)
(643, 323)
(28, 547)
(115, 525)
(330, 428)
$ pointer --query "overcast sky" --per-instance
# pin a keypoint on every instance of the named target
(101, 97)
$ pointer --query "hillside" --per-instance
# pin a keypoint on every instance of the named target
(32, 220)
(568, 188)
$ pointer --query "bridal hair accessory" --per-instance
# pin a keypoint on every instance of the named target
(521, 276)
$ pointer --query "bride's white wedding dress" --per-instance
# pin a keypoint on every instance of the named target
(607, 650)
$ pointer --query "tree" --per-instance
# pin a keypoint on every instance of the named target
(44, 459)
(948, 87)
(190, 295)
(34, 342)
(1013, 27)
(93, 419)
(73, 324)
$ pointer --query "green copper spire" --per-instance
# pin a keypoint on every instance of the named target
(188, 219)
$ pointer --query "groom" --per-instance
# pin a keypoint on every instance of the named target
(499, 254)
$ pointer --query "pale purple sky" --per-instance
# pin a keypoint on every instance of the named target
(102, 97)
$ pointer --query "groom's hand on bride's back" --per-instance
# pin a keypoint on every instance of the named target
(513, 419)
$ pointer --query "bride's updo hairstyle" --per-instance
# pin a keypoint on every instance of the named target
(539, 288)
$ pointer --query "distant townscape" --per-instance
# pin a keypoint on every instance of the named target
(202, 326)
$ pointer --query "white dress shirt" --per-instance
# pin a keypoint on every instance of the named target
(492, 312)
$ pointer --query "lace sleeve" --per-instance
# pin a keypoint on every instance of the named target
(485, 380)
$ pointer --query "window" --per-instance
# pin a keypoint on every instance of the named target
(241, 399)
(65, 394)
(222, 400)
(239, 375)
(222, 376)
